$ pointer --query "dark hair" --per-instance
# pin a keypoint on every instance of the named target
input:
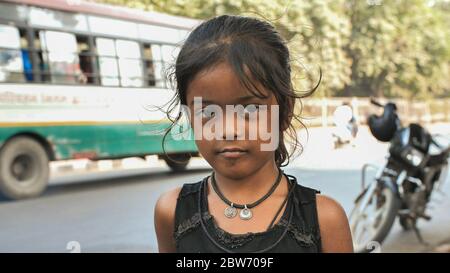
(244, 43)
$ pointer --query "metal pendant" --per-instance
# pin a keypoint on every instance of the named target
(230, 212)
(246, 213)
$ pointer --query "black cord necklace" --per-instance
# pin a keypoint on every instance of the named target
(202, 223)
(246, 213)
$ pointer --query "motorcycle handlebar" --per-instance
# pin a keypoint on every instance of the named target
(374, 102)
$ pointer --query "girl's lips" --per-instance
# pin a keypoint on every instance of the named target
(232, 154)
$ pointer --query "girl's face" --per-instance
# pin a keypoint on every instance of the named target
(231, 149)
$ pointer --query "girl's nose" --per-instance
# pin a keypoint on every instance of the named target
(233, 126)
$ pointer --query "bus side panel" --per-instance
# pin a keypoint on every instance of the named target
(91, 122)
(105, 140)
(64, 141)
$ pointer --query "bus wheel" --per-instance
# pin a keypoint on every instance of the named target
(24, 168)
(177, 162)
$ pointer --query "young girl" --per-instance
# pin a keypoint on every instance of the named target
(247, 204)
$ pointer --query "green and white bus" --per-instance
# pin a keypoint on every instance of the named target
(76, 81)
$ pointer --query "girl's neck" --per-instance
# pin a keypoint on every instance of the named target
(249, 188)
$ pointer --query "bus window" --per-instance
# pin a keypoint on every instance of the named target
(109, 71)
(168, 53)
(87, 59)
(130, 65)
(11, 66)
(157, 62)
(61, 53)
(148, 63)
(26, 56)
(42, 73)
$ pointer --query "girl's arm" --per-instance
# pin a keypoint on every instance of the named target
(164, 220)
(334, 227)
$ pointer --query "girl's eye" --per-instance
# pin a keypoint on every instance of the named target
(251, 109)
(206, 112)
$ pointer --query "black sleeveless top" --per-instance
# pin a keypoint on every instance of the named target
(296, 231)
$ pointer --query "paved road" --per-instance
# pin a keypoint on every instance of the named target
(112, 211)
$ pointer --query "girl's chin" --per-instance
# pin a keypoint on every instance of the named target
(234, 171)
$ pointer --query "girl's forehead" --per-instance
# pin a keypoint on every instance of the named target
(220, 85)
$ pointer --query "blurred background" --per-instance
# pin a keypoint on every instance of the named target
(83, 157)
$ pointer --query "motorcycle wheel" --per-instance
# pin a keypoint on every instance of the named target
(373, 216)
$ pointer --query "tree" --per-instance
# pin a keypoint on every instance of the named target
(392, 48)
(399, 48)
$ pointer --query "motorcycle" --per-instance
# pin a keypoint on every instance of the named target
(415, 167)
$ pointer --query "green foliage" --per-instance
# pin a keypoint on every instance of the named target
(395, 48)
(399, 48)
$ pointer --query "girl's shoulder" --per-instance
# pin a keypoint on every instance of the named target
(164, 219)
(329, 210)
(170, 197)
(334, 226)
(330, 218)
(166, 204)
